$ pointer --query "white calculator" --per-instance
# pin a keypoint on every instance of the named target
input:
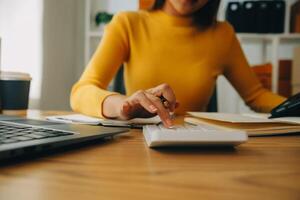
(192, 135)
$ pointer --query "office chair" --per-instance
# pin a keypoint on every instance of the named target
(120, 87)
(213, 103)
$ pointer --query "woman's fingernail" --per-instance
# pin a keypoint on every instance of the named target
(153, 108)
(166, 104)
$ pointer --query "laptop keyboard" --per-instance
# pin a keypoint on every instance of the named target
(10, 133)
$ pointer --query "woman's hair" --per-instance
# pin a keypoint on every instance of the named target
(204, 17)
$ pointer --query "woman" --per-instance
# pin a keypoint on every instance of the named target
(173, 53)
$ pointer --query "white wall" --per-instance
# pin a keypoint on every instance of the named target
(44, 38)
(63, 46)
(20, 30)
(60, 46)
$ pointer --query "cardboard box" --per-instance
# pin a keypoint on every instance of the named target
(145, 4)
(285, 69)
(295, 89)
(284, 88)
(264, 74)
(295, 82)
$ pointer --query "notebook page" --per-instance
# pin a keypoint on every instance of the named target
(83, 119)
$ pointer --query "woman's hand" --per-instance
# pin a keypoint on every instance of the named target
(159, 100)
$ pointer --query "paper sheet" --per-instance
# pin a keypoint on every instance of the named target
(253, 124)
(244, 118)
(83, 119)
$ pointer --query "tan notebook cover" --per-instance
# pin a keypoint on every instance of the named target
(253, 124)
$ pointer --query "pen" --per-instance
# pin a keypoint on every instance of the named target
(166, 104)
(164, 101)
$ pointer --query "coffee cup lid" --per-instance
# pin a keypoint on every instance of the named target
(14, 76)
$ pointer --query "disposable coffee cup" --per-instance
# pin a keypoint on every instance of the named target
(14, 92)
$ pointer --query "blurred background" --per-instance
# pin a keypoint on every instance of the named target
(53, 40)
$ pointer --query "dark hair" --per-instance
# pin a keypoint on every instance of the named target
(203, 18)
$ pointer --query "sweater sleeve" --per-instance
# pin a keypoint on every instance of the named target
(244, 80)
(88, 94)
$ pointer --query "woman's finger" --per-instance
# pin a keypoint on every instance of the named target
(145, 102)
(136, 104)
(165, 91)
(125, 110)
(162, 112)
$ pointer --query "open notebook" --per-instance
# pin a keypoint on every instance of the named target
(253, 124)
(83, 119)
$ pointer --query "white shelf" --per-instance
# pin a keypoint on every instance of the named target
(275, 41)
(257, 36)
(96, 33)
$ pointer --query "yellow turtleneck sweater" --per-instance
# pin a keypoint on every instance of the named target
(158, 48)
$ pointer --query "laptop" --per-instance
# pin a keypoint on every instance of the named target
(22, 136)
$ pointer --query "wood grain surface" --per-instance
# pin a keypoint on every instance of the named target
(125, 168)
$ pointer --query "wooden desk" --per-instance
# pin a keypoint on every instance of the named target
(125, 168)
